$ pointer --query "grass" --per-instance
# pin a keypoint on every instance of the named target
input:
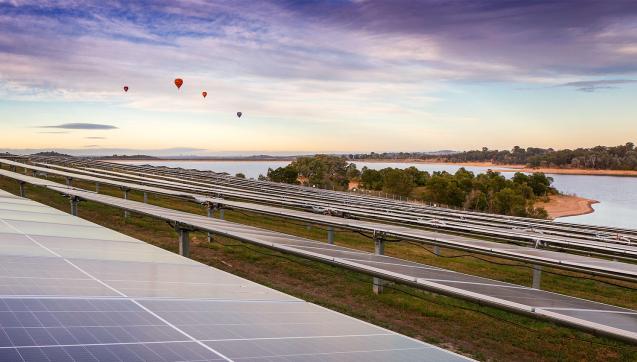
(480, 332)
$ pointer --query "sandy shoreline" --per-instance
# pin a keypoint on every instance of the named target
(565, 205)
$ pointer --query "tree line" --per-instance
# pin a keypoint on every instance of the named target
(489, 192)
(622, 157)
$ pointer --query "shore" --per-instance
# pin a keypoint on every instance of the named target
(564, 205)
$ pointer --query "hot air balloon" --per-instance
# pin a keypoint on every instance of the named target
(239, 114)
(204, 94)
(125, 88)
(179, 82)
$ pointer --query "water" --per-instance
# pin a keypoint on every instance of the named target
(617, 196)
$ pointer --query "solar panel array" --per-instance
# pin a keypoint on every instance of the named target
(610, 320)
(73, 290)
(615, 269)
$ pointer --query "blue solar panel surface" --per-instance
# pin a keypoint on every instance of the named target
(71, 290)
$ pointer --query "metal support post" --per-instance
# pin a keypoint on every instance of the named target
(184, 237)
(437, 250)
(330, 234)
(69, 181)
(74, 201)
(211, 214)
(537, 270)
(22, 193)
(221, 214)
(379, 249)
(537, 276)
(184, 242)
(97, 187)
(126, 213)
(145, 197)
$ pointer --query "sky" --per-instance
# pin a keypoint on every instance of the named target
(315, 76)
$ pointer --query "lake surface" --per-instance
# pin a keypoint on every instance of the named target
(617, 195)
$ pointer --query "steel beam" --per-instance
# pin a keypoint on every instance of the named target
(379, 249)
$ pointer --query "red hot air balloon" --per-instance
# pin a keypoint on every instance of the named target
(239, 114)
(125, 88)
(204, 94)
(179, 82)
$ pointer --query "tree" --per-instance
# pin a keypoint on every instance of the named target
(371, 179)
(285, 174)
(351, 172)
(324, 171)
(240, 175)
(398, 182)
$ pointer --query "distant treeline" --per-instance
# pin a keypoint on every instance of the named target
(623, 157)
(489, 192)
(127, 157)
(399, 155)
(51, 154)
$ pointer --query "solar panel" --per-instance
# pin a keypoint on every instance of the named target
(72, 290)
(558, 259)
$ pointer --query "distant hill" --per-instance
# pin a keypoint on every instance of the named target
(51, 153)
(127, 157)
(400, 155)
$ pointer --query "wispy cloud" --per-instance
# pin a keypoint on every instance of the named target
(91, 126)
(95, 138)
(595, 85)
(54, 132)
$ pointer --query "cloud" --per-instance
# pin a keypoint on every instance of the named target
(92, 126)
(95, 138)
(54, 132)
(595, 85)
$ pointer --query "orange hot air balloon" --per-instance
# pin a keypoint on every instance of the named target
(204, 94)
(125, 88)
(179, 82)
